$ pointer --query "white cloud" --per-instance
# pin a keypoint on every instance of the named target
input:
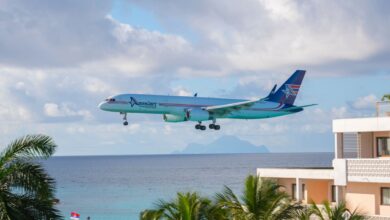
(281, 9)
(339, 112)
(64, 110)
(181, 91)
(56, 68)
(365, 102)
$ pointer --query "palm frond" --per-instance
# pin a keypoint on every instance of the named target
(31, 178)
(26, 190)
(29, 146)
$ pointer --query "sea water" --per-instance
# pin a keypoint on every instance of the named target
(120, 187)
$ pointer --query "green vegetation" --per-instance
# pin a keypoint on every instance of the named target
(334, 213)
(386, 97)
(262, 199)
(26, 190)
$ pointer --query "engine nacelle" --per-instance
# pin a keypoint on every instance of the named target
(197, 115)
(174, 118)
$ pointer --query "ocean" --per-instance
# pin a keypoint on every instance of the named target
(120, 187)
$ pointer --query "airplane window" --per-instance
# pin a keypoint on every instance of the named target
(110, 100)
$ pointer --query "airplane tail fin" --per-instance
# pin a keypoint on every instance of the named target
(287, 93)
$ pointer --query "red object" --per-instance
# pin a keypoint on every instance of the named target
(74, 214)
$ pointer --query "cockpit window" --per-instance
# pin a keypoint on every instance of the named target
(110, 100)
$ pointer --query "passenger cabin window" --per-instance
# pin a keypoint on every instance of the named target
(110, 100)
(383, 146)
(385, 195)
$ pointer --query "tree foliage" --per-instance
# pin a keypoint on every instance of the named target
(26, 190)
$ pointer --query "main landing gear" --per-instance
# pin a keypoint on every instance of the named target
(200, 126)
(125, 123)
(214, 126)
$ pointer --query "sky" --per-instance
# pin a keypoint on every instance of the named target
(59, 59)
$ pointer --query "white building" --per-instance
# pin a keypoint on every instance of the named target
(361, 168)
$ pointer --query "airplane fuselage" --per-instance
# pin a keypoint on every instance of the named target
(192, 108)
(178, 105)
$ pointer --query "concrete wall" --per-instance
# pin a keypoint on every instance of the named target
(366, 198)
(286, 183)
(318, 190)
(315, 190)
(366, 145)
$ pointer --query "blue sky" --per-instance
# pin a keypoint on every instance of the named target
(58, 60)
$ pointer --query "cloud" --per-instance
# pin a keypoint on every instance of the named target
(60, 59)
(181, 91)
(365, 102)
(268, 34)
(65, 110)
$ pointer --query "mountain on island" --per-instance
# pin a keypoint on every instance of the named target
(223, 145)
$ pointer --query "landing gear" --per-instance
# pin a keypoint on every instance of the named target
(214, 126)
(200, 126)
(125, 123)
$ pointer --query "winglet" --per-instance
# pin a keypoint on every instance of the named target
(273, 90)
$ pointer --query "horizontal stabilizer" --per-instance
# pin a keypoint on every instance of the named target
(297, 107)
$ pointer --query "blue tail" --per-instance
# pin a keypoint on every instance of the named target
(287, 93)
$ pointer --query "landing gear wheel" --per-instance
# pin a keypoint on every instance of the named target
(217, 127)
(202, 127)
(197, 126)
(125, 123)
(211, 126)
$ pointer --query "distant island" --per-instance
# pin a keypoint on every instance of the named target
(224, 144)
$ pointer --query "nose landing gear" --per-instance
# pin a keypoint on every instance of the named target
(125, 123)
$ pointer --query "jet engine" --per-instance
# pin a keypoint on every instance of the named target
(197, 114)
(174, 118)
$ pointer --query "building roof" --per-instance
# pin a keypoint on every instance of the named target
(361, 124)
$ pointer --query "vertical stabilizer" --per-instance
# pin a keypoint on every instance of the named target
(287, 93)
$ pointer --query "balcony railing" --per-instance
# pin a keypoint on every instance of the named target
(368, 170)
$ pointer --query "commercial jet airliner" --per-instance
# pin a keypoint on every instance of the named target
(199, 109)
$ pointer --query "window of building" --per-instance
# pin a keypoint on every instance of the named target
(333, 193)
(383, 146)
(293, 188)
(385, 195)
(303, 192)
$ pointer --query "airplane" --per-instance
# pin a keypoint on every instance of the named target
(200, 109)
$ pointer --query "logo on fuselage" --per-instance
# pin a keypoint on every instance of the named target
(133, 102)
(291, 90)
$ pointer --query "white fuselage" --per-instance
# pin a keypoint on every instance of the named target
(178, 105)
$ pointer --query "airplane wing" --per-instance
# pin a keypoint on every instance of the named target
(225, 109)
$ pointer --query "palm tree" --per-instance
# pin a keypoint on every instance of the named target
(26, 190)
(386, 97)
(303, 213)
(327, 212)
(186, 206)
(262, 200)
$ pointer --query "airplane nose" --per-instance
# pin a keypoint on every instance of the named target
(103, 105)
